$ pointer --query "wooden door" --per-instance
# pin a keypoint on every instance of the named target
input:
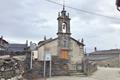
(64, 54)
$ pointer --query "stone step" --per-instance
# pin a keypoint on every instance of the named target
(76, 73)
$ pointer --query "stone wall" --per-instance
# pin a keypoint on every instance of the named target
(106, 60)
(88, 66)
(59, 68)
(76, 53)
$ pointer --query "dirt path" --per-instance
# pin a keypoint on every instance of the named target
(101, 74)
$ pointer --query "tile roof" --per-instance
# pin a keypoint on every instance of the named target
(46, 41)
(16, 47)
(98, 58)
(50, 40)
(111, 51)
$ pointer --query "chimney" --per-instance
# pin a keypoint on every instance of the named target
(95, 49)
(44, 38)
(1, 40)
(26, 43)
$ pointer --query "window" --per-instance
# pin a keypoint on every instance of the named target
(65, 43)
(64, 27)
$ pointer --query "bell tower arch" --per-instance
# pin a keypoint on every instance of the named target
(63, 23)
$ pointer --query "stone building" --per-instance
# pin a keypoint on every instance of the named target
(106, 58)
(64, 46)
(17, 49)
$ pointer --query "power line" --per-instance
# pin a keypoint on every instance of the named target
(84, 11)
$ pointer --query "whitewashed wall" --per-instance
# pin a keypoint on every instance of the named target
(50, 47)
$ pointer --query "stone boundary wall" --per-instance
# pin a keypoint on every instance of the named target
(88, 66)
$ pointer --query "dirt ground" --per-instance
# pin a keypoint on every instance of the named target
(101, 74)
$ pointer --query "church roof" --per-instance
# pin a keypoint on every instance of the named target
(77, 41)
(41, 43)
(111, 51)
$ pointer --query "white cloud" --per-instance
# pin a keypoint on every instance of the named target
(32, 19)
(116, 27)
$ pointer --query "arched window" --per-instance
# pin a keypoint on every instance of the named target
(64, 27)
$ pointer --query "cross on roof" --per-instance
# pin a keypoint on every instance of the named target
(62, 3)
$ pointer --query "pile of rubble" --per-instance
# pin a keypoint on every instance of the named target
(10, 69)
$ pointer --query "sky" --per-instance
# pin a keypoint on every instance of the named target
(31, 20)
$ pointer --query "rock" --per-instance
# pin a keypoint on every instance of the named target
(10, 68)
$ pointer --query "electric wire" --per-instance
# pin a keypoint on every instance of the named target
(84, 11)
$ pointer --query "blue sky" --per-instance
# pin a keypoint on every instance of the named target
(22, 20)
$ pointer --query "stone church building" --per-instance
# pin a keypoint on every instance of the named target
(64, 46)
(66, 54)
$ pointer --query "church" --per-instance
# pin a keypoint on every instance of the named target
(64, 46)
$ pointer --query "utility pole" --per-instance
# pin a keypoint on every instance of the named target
(118, 8)
(32, 48)
(44, 67)
(31, 55)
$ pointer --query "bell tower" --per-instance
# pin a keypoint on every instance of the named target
(63, 23)
(63, 34)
